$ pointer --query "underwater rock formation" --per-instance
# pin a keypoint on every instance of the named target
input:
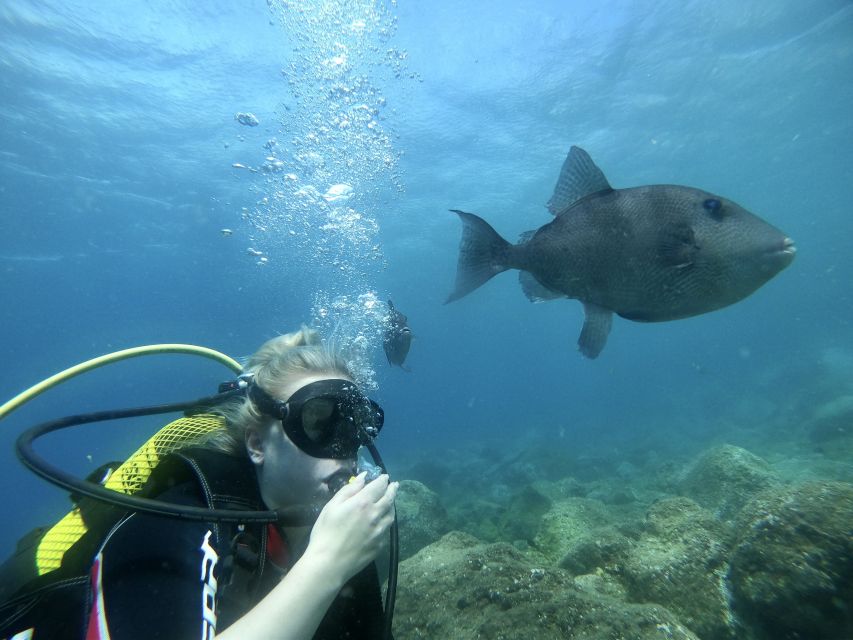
(602, 548)
(461, 589)
(725, 478)
(567, 521)
(791, 572)
(679, 561)
(421, 517)
(724, 548)
(521, 519)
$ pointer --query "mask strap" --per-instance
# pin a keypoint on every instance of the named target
(266, 404)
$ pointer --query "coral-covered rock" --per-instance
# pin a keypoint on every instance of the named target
(679, 562)
(599, 548)
(567, 521)
(462, 589)
(791, 573)
(523, 516)
(421, 517)
(725, 478)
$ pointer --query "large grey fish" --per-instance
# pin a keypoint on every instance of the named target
(648, 254)
(398, 337)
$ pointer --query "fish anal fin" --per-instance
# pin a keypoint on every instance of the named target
(579, 177)
(535, 290)
(596, 328)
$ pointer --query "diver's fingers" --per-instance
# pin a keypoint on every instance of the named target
(386, 521)
(386, 502)
(376, 488)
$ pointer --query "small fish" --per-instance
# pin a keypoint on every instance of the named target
(398, 337)
(649, 253)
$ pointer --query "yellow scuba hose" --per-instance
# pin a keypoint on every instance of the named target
(110, 358)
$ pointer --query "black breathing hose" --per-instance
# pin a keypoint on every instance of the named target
(39, 466)
(394, 557)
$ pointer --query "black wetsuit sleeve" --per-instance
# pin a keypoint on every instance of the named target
(158, 578)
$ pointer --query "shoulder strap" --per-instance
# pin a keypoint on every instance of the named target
(225, 482)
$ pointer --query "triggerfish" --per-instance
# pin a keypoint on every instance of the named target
(648, 254)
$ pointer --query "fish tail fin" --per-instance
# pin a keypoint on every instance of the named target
(483, 254)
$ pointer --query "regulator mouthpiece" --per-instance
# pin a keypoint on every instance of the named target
(366, 466)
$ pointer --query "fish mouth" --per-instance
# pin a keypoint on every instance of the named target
(788, 251)
(785, 250)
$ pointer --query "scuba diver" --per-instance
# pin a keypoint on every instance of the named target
(287, 441)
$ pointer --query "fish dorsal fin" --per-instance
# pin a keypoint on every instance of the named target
(579, 177)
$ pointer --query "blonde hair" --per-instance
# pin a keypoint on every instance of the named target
(273, 365)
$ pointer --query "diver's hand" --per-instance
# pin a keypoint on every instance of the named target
(346, 537)
(352, 526)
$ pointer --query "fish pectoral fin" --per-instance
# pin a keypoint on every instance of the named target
(677, 246)
(579, 177)
(596, 328)
(535, 290)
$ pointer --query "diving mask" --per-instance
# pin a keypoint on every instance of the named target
(325, 419)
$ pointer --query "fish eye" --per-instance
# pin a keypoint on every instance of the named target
(714, 207)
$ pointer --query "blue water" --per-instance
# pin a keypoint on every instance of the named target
(118, 146)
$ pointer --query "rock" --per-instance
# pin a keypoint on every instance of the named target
(563, 488)
(725, 478)
(612, 491)
(600, 584)
(421, 517)
(523, 516)
(598, 548)
(461, 589)
(567, 521)
(679, 562)
(791, 573)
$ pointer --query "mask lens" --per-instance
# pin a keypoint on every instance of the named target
(318, 417)
(326, 419)
(367, 415)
